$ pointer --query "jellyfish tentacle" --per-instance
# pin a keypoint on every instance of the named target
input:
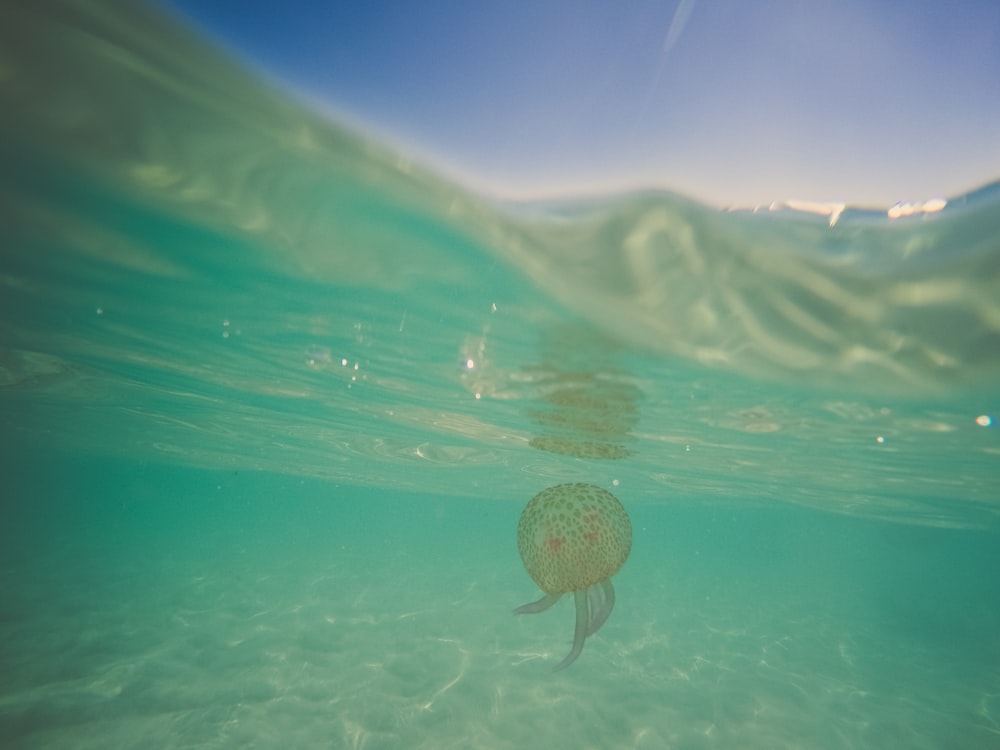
(580, 635)
(540, 606)
(595, 605)
(602, 601)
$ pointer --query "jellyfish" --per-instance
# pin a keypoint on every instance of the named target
(574, 537)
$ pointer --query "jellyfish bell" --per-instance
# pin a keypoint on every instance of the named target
(574, 537)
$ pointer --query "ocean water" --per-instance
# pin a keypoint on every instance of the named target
(273, 397)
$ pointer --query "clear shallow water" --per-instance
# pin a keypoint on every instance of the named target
(273, 400)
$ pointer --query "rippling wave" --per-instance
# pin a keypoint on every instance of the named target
(880, 303)
(889, 304)
(241, 282)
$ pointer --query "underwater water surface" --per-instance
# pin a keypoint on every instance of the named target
(273, 399)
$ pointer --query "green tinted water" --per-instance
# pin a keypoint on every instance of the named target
(273, 399)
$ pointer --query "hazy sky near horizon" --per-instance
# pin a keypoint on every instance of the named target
(729, 101)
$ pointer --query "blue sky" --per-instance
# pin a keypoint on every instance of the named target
(865, 101)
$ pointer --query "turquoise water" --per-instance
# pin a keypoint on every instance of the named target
(272, 399)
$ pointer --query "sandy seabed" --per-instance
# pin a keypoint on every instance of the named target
(218, 645)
